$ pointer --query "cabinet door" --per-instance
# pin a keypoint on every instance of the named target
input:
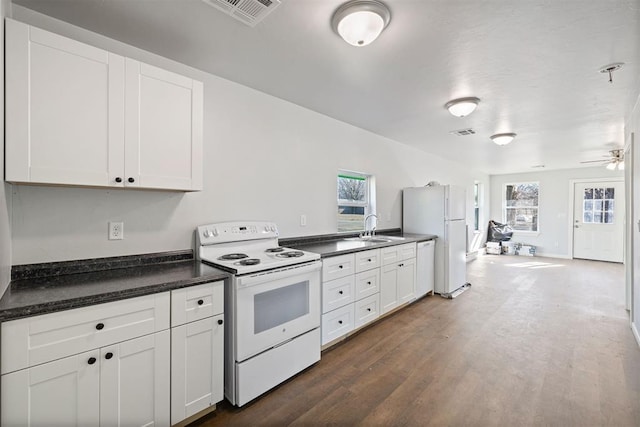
(163, 129)
(134, 382)
(64, 121)
(63, 392)
(406, 281)
(197, 366)
(388, 287)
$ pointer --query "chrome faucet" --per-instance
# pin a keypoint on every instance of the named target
(371, 232)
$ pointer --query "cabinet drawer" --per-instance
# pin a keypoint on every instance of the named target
(367, 309)
(337, 293)
(337, 323)
(337, 267)
(34, 340)
(367, 260)
(196, 302)
(367, 283)
(392, 254)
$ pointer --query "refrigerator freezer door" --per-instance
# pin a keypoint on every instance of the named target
(455, 263)
(455, 203)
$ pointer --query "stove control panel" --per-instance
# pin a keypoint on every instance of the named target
(225, 232)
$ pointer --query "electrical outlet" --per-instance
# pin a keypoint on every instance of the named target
(303, 220)
(116, 230)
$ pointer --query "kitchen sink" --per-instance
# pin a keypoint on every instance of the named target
(375, 239)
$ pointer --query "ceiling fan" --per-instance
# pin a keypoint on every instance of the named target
(615, 160)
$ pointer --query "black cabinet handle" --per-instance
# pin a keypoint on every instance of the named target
(340, 292)
(100, 326)
(118, 179)
(220, 321)
(400, 265)
(131, 179)
(108, 355)
(200, 302)
(91, 360)
(368, 283)
(339, 266)
(340, 322)
(368, 309)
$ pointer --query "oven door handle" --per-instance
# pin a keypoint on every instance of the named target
(279, 273)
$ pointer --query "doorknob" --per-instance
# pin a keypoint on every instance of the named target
(576, 226)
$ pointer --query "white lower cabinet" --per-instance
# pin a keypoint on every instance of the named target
(124, 384)
(350, 295)
(116, 364)
(197, 349)
(397, 276)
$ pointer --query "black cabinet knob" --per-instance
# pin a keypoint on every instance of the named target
(200, 302)
(91, 360)
(118, 179)
(339, 266)
(340, 292)
(369, 260)
(100, 326)
(400, 265)
(368, 283)
(340, 322)
(108, 355)
(220, 321)
(131, 179)
(368, 309)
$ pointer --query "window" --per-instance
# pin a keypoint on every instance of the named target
(355, 200)
(521, 206)
(598, 205)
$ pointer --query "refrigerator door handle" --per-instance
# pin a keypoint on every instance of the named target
(446, 208)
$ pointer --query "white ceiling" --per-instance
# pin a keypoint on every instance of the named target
(533, 63)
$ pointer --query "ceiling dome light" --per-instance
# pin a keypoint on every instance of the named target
(359, 22)
(462, 106)
(503, 138)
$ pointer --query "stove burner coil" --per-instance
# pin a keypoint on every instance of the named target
(230, 257)
(249, 261)
(291, 254)
(273, 250)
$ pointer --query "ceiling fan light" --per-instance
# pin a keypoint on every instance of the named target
(462, 107)
(621, 165)
(359, 22)
(503, 138)
(611, 166)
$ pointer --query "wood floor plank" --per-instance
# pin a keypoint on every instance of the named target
(535, 341)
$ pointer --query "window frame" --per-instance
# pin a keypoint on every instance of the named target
(505, 207)
(368, 204)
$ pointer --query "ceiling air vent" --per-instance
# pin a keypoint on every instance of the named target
(463, 132)
(249, 12)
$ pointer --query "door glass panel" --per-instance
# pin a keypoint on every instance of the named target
(608, 193)
(598, 193)
(588, 216)
(588, 193)
(279, 306)
(597, 216)
(597, 205)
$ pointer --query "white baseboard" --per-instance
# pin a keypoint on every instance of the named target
(635, 333)
(548, 255)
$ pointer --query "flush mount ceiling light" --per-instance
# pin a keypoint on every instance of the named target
(503, 138)
(462, 106)
(359, 22)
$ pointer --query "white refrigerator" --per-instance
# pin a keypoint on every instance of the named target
(440, 210)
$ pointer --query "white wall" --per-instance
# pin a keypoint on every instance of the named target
(554, 205)
(264, 158)
(5, 208)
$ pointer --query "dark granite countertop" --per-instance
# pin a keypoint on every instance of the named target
(334, 245)
(30, 293)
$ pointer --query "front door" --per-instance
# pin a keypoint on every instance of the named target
(598, 221)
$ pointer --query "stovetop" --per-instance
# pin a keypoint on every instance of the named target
(246, 247)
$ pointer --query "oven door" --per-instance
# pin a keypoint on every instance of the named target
(275, 306)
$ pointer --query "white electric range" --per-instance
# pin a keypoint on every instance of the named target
(272, 305)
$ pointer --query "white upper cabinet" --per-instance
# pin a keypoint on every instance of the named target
(79, 115)
(163, 128)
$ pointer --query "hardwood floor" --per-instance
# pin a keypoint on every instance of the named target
(534, 342)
